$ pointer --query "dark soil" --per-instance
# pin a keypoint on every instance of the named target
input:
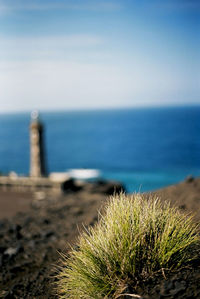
(31, 240)
(185, 195)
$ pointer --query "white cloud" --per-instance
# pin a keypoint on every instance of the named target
(59, 84)
(36, 47)
(65, 85)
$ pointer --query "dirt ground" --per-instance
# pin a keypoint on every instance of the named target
(35, 228)
(185, 195)
(13, 202)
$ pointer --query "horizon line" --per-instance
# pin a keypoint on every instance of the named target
(87, 109)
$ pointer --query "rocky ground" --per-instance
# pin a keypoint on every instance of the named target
(31, 240)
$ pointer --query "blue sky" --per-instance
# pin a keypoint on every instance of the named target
(79, 54)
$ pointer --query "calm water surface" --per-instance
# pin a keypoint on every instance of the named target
(144, 148)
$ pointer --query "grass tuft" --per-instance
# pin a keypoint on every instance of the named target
(135, 238)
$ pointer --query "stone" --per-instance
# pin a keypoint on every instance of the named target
(70, 185)
(189, 179)
(11, 251)
(108, 188)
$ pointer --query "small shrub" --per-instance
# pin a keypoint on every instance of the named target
(133, 239)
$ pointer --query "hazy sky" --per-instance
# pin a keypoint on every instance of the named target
(66, 54)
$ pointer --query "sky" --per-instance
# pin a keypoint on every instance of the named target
(90, 54)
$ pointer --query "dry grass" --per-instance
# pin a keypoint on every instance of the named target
(133, 239)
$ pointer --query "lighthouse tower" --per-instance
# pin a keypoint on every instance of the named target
(37, 159)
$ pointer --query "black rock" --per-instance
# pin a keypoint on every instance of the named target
(70, 185)
(189, 179)
(108, 188)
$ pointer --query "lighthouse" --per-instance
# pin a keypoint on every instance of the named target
(37, 158)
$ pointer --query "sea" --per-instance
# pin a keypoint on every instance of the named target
(144, 148)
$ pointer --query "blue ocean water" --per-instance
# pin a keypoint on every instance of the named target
(143, 148)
